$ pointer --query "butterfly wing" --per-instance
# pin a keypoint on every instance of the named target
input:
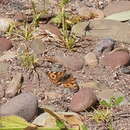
(58, 78)
(70, 83)
(55, 77)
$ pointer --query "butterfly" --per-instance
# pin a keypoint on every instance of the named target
(61, 78)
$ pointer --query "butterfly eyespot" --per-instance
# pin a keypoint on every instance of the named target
(52, 75)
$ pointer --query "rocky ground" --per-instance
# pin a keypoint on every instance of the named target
(98, 64)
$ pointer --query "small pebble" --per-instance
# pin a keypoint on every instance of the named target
(105, 45)
(15, 85)
(91, 59)
(125, 70)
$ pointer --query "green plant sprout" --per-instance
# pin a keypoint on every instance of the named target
(10, 30)
(110, 127)
(28, 60)
(113, 102)
(64, 21)
(37, 15)
(26, 32)
(105, 114)
(69, 40)
(101, 115)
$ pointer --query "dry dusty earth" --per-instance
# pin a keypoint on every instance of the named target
(56, 96)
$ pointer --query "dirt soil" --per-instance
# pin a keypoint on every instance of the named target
(38, 83)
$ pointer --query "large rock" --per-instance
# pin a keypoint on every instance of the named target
(45, 119)
(116, 7)
(49, 121)
(116, 59)
(74, 63)
(24, 105)
(110, 28)
(103, 29)
(5, 44)
(83, 100)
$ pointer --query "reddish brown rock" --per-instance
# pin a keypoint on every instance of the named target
(5, 44)
(24, 105)
(74, 63)
(117, 59)
(50, 28)
(83, 100)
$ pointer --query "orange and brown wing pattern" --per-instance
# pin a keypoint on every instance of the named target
(55, 77)
(62, 78)
(70, 83)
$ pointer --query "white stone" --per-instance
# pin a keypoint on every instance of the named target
(91, 59)
(5, 23)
